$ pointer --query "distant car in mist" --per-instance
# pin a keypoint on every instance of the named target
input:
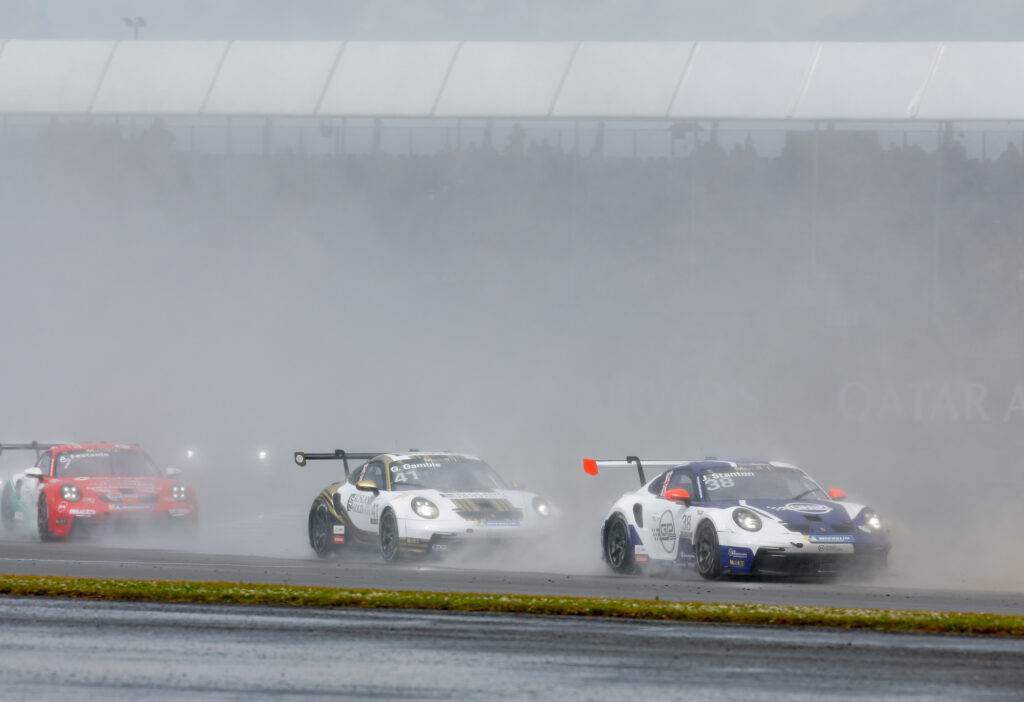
(738, 518)
(75, 489)
(420, 503)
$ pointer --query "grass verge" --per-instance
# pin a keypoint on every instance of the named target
(291, 595)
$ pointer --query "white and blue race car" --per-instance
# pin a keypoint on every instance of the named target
(738, 518)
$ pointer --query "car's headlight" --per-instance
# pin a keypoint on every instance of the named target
(871, 519)
(541, 506)
(70, 492)
(746, 519)
(179, 493)
(425, 508)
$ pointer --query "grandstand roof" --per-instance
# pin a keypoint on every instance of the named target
(893, 81)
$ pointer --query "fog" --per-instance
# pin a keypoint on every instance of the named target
(860, 318)
(743, 20)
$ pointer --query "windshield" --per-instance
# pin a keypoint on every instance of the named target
(759, 483)
(444, 473)
(114, 463)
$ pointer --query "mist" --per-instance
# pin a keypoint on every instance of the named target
(856, 312)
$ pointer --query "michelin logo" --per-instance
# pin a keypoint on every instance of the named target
(842, 539)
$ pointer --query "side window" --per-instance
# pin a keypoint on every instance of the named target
(658, 484)
(375, 472)
(683, 479)
(43, 463)
(356, 475)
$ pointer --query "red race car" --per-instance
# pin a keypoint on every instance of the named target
(73, 488)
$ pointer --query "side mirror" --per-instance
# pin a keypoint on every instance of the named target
(367, 486)
(173, 472)
(678, 495)
(837, 494)
(34, 472)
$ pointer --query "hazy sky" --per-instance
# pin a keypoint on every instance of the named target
(522, 19)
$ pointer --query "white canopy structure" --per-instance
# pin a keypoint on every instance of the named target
(909, 81)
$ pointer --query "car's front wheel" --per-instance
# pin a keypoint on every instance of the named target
(43, 520)
(618, 547)
(706, 550)
(389, 537)
(321, 531)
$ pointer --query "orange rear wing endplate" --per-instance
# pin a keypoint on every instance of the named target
(591, 465)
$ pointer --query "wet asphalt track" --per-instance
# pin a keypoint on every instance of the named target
(111, 650)
(29, 557)
(75, 649)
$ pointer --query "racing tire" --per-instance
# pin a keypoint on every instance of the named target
(618, 547)
(7, 508)
(389, 537)
(321, 531)
(705, 549)
(43, 521)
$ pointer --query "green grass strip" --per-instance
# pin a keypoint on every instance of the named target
(292, 595)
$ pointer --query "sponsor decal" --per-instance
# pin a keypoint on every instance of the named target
(82, 513)
(830, 548)
(802, 508)
(339, 533)
(640, 558)
(60, 521)
(664, 485)
(740, 558)
(179, 512)
(665, 531)
(62, 507)
(359, 502)
(479, 495)
(829, 539)
(126, 508)
(438, 547)
(496, 522)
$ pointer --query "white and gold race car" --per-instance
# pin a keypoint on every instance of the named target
(420, 503)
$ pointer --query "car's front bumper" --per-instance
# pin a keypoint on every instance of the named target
(800, 554)
(448, 535)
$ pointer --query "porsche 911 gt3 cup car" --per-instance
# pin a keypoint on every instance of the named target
(738, 517)
(74, 487)
(418, 503)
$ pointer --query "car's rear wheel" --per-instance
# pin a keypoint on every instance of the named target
(618, 547)
(705, 549)
(321, 531)
(43, 520)
(389, 537)
(7, 507)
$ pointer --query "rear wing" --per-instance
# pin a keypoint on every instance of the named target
(338, 455)
(591, 465)
(32, 446)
